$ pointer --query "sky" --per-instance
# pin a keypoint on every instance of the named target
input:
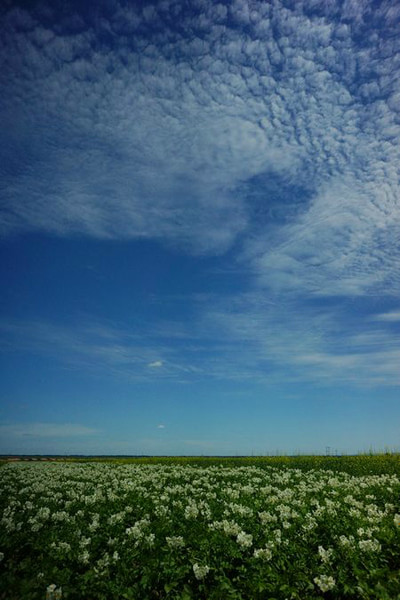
(199, 227)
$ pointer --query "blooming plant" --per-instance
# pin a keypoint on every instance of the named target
(96, 531)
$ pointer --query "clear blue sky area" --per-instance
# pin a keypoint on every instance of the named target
(200, 224)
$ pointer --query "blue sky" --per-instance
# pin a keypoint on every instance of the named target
(200, 224)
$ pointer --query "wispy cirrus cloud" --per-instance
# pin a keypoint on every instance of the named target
(392, 316)
(246, 337)
(344, 244)
(305, 343)
(100, 348)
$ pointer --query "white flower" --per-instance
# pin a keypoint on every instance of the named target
(278, 536)
(396, 520)
(175, 541)
(138, 529)
(325, 554)
(64, 547)
(43, 513)
(228, 527)
(267, 517)
(94, 524)
(84, 557)
(51, 588)
(346, 542)
(244, 539)
(369, 545)
(310, 523)
(59, 516)
(264, 553)
(325, 582)
(191, 511)
(102, 563)
(150, 539)
(200, 572)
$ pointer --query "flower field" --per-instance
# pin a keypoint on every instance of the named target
(106, 531)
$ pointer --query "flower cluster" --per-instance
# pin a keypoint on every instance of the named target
(144, 531)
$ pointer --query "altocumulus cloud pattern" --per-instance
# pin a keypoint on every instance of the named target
(270, 130)
(153, 120)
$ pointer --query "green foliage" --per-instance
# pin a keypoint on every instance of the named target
(271, 528)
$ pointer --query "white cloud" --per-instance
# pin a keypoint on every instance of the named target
(154, 135)
(390, 317)
(343, 244)
(289, 342)
(97, 347)
(156, 364)
(161, 426)
(283, 135)
(246, 337)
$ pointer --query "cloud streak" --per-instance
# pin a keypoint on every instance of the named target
(100, 349)
(392, 316)
(245, 337)
(295, 342)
